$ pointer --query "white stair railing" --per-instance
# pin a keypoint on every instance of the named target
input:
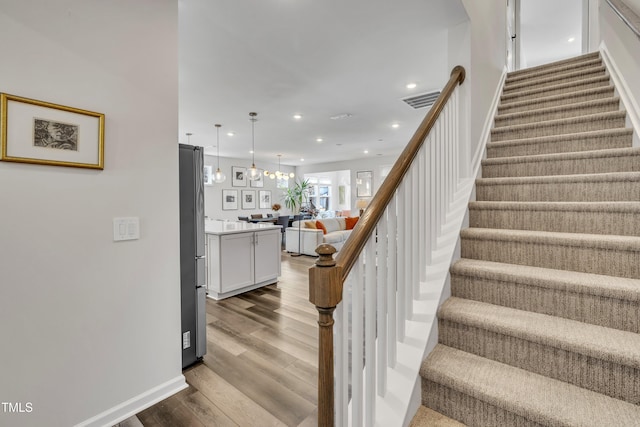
(375, 279)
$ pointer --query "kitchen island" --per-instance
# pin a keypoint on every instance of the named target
(240, 256)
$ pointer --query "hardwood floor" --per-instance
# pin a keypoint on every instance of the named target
(261, 363)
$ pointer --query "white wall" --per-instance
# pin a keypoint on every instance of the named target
(623, 47)
(377, 164)
(213, 193)
(488, 59)
(86, 323)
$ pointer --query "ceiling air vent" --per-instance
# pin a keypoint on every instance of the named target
(423, 100)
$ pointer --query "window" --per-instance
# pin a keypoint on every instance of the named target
(320, 193)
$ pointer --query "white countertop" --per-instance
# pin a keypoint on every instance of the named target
(220, 226)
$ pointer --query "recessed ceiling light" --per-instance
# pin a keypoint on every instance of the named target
(302, 160)
(230, 133)
(395, 125)
(297, 116)
(319, 139)
(411, 85)
(571, 39)
(366, 151)
(250, 151)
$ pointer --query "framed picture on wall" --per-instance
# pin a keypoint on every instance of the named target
(208, 175)
(238, 176)
(229, 200)
(248, 199)
(50, 134)
(259, 181)
(364, 183)
(265, 199)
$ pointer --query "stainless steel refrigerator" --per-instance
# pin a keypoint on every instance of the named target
(192, 261)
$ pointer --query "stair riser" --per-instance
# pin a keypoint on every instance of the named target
(617, 223)
(469, 410)
(556, 101)
(611, 379)
(570, 64)
(620, 262)
(557, 128)
(609, 106)
(630, 163)
(593, 309)
(561, 192)
(533, 75)
(561, 146)
(551, 80)
(523, 96)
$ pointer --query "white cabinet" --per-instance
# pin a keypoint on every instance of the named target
(238, 262)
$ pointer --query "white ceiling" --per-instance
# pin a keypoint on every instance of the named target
(318, 58)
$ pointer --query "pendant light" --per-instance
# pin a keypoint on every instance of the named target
(219, 177)
(253, 171)
(279, 174)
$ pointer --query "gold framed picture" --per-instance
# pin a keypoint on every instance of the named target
(49, 134)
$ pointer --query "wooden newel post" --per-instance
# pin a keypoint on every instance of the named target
(325, 292)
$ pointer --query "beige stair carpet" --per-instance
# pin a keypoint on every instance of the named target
(543, 326)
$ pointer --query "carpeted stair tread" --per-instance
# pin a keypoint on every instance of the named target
(556, 65)
(570, 163)
(614, 186)
(591, 122)
(557, 100)
(532, 74)
(426, 417)
(621, 218)
(595, 341)
(560, 88)
(580, 141)
(558, 112)
(608, 301)
(589, 253)
(574, 281)
(541, 400)
(592, 241)
(554, 79)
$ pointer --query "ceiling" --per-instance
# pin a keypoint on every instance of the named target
(316, 58)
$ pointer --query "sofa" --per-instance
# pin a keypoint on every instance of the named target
(312, 235)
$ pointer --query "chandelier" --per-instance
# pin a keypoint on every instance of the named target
(278, 174)
(253, 171)
(219, 177)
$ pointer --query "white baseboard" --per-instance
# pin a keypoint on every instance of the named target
(628, 101)
(136, 404)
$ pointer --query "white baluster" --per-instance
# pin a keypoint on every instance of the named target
(370, 288)
(381, 319)
(392, 282)
(401, 272)
(357, 318)
(340, 342)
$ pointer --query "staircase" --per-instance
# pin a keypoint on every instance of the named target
(543, 326)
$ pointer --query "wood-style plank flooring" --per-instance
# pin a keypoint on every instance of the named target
(261, 363)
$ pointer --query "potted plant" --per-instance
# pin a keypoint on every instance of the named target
(293, 198)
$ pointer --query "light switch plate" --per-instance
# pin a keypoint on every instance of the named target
(126, 229)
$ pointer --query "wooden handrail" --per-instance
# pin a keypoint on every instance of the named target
(327, 277)
(626, 14)
(366, 224)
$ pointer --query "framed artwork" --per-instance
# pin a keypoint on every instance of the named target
(341, 195)
(229, 200)
(282, 183)
(50, 134)
(265, 199)
(238, 176)
(248, 199)
(259, 181)
(208, 175)
(364, 181)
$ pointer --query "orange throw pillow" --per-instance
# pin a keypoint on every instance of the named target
(310, 224)
(350, 222)
(321, 226)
